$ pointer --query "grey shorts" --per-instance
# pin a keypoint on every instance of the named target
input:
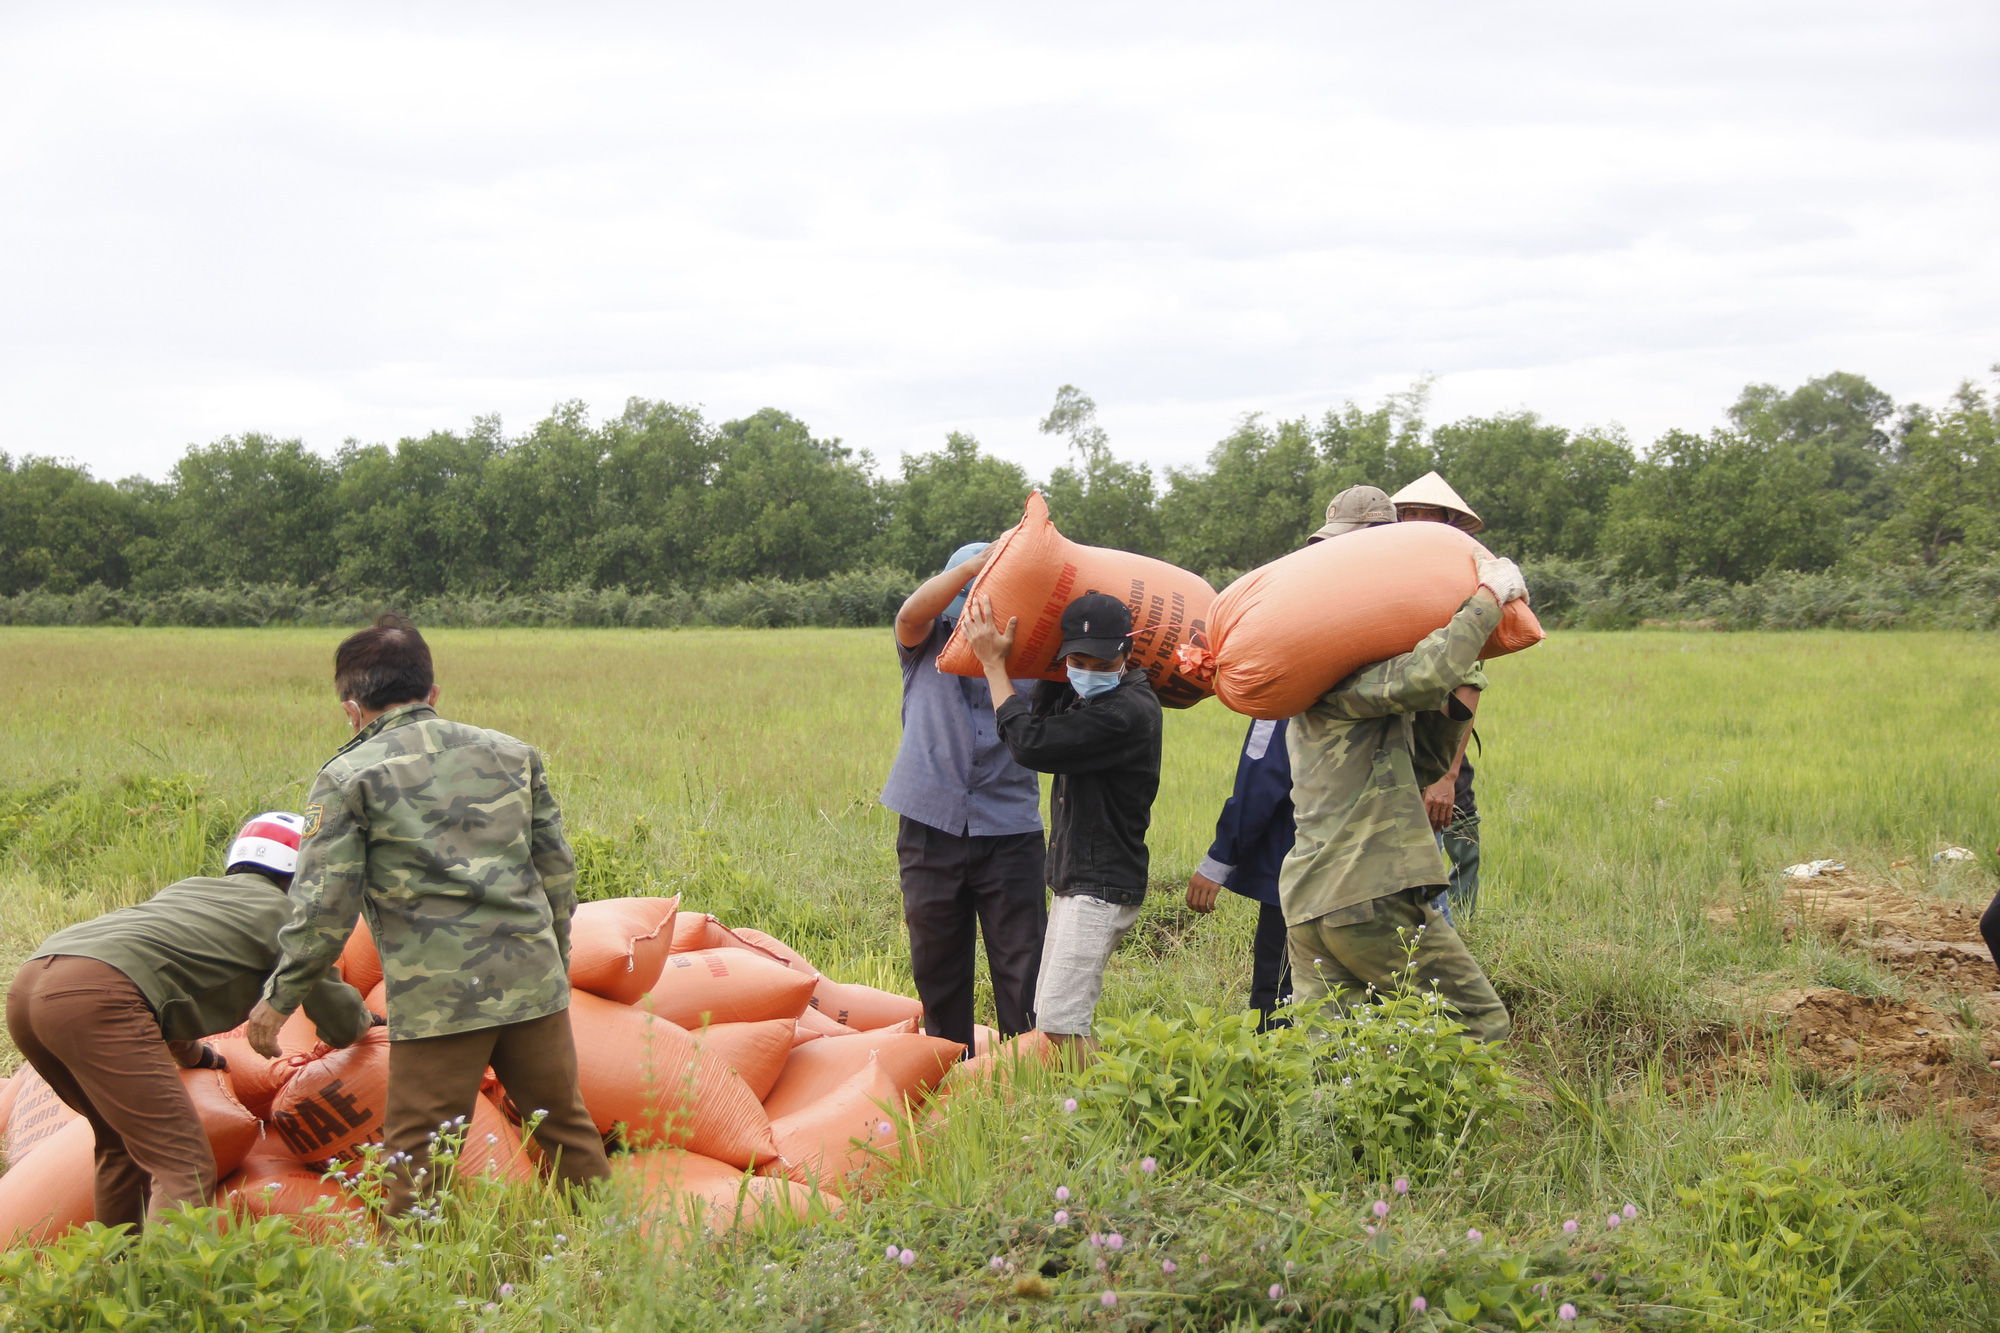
(1082, 935)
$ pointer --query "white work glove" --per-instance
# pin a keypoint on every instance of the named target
(1503, 578)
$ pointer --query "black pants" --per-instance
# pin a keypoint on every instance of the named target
(1989, 928)
(1270, 964)
(954, 886)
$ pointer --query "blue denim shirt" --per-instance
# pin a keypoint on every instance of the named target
(952, 771)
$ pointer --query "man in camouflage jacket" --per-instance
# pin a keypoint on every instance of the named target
(446, 837)
(1361, 881)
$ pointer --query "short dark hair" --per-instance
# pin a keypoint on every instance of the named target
(388, 663)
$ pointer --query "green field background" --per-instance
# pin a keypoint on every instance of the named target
(1628, 783)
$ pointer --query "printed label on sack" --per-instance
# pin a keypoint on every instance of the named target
(318, 1120)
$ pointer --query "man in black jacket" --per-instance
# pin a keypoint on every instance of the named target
(1099, 734)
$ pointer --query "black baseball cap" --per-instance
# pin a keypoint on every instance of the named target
(1096, 625)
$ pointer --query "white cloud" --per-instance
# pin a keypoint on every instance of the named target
(378, 220)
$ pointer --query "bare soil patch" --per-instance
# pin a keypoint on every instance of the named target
(1927, 1053)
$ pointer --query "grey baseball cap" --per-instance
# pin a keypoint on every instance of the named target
(1354, 508)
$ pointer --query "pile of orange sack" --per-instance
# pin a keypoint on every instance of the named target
(742, 1080)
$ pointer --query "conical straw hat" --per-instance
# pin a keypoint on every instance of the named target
(1431, 489)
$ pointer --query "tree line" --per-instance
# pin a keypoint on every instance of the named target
(658, 500)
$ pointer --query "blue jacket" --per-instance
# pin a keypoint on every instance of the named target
(1256, 829)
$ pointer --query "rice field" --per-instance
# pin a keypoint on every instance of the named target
(1630, 785)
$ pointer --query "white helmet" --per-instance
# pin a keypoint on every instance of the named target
(268, 842)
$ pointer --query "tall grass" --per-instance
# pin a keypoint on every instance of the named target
(1630, 782)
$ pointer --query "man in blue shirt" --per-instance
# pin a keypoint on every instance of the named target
(969, 840)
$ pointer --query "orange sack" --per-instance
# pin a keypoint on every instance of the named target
(268, 1185)
(51, 1190)
(38, 1115)
(54, 1187)
(699, 930)
(820, 1025)
(232, 1131)
(727, 986)
(777, 948)
(360, 964)
(616, 946)
(255, 1080)
(756, 1051)
(335, 1102)
(697, 1191)
(646, 1073)
(1035, 572)
(864, 1008)
(914, 1063)
(1287, 632)
(836, 1139)
(492, 1149)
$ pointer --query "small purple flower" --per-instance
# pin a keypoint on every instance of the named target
(1148, 1165)
(1611, 1221)
(883, 1127)
(1069, 1104)
(1473, 1236)
(906, 1258)
(506, 1290)
(1101, 1265)
(1096, 1240)
(1108, 1299)
(996, 1263)
(1381, 1208)
(1402, 1186)
(1114, 1241)
(1418, 1305)
(892, 1252)
(1277, 1292)
(1062, 1194)
(1370, 1230)
(1062, 1217)
(1566, 1312)
(1569, 1227)
(1169, 1267)
(1631, 1212)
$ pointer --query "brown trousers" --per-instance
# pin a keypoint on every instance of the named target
(88, 1031)
(434, 1080)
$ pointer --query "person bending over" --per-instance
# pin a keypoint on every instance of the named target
(1099, 734)
(446, 837)
(109, 1011)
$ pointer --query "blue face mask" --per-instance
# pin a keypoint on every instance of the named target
(1090, 684)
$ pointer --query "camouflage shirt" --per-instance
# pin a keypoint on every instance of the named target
(1357, 797)
(447, 838)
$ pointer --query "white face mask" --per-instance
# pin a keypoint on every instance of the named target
(1090, 684)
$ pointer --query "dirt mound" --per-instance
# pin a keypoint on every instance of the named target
(1924, 1054)
(1833, 1029)
(1848, 908)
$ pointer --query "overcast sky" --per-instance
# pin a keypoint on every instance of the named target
(367, 221)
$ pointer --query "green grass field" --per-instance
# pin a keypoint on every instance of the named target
(1630, 784)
